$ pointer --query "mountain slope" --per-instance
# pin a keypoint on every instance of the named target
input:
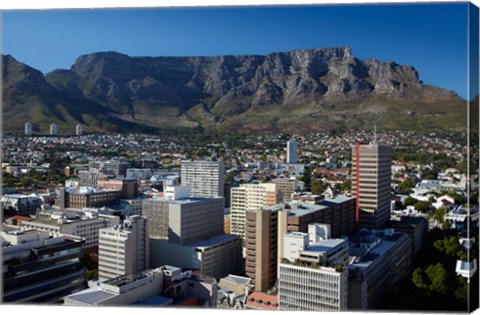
(304, 89)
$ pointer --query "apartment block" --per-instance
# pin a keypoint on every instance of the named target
(79, 129)
(371, 181)
(249, 197)
(53, 129)
(205, 178)
(28, 128)
(292, 152)
(124, 249)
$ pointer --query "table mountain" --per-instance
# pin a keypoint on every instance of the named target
(291, 91)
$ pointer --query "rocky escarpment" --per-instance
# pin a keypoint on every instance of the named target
(231, 90)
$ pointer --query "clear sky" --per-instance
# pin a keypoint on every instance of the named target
(430, 37)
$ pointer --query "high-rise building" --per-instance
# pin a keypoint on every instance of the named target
(124, 249)
(205, 178)
(79, 130)
(249, 197)
(292, 152)
(53, 129)
(371, 181)
(261, 247)
(189, 232)
(28, 128)
(265, 229)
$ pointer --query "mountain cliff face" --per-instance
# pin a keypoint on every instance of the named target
(312, 89)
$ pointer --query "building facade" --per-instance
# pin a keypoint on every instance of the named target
(28, 128)
(88, 178)
(261, 232)
(205, 178)
(249, 197)
(124, 249)
(86, 227)
(312, 288)
(39, 268)
(292, 152)
(53, 129)
(371, 181)
(79, 130)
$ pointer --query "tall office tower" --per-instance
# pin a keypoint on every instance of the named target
(53, 129)
(292, 152)
(249, 197)
(28, 128)
(371, 180)
(124, 249)
(261, 243)
(79, 130)
(205, 178)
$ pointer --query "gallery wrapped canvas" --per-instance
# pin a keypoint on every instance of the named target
(287, 157)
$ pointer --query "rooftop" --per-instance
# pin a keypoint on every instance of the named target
(192, 200)
(326, 245)
(91, 296)
(213, 241)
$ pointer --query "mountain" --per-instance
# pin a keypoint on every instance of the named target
(293, 91)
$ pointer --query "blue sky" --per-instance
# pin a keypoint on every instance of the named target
(430, 37)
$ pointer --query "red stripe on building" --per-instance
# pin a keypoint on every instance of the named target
(357, 184)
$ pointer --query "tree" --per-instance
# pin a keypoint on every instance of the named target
(409, 201)
(405, 187)
(422, 206)
(438, 278)
(318, 187)
(449, 246)
(418, 279)
(439, 214)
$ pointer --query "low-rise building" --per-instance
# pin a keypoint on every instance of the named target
(164, 286)
(38, 267)
(83, 224)
(381, 259)
(17, 204)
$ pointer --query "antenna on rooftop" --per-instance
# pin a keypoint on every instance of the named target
(375, 134)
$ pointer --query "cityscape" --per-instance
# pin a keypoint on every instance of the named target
(276, 178)
(277, 222)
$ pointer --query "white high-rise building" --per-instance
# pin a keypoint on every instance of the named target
(124, 249)
(371, 181)
(79, 130)
(292, 152)
(249, 197)
(53, 129)
(205, 178)
(313, 276)
(28, 128)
